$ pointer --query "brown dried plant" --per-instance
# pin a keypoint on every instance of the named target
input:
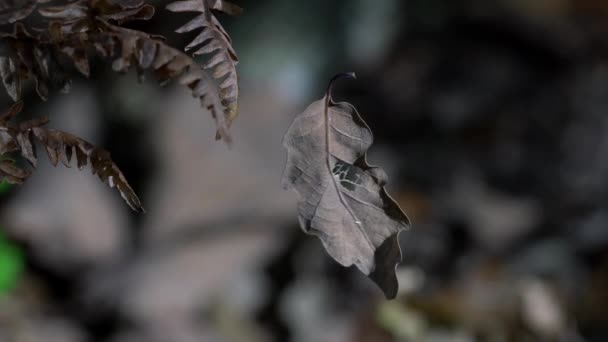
(343, 199)
(60, 146)
(77, 30)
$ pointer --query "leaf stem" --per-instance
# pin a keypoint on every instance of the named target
(330, 86)
(328, 102)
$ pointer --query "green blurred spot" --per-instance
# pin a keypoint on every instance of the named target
(11, 265)
(4, 186)
(403, 323)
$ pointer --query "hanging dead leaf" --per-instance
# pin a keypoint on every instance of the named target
(342, 199)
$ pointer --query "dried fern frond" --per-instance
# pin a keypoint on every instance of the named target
(143, 52)
(80, 15)
(11, 79)
(34, 55)
(225, 7)
(60, 146)
(214, 42)
(70, 24)
(12, 174)
(215, 84)
(30, 57)
(10, 113)
(23, 62)
(14, 10)
(80, 27)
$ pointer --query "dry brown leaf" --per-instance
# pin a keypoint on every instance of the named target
(342, 199)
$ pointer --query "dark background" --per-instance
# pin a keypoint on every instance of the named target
(490, 117)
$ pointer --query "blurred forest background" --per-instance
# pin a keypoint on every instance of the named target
(490, 117)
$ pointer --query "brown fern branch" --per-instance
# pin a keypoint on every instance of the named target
(59, 146)
(213, 41)
(78, 28)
